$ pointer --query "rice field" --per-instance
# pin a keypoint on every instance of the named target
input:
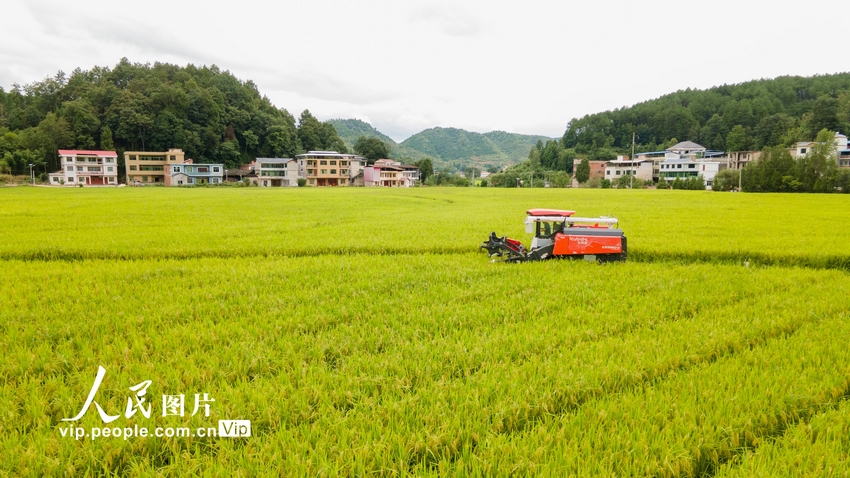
(362, 333)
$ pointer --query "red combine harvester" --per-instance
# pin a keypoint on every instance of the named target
(557, 234)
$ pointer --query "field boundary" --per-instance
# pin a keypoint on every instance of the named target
(744, 259)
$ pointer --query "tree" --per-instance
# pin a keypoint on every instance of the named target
(737, 139)
(371, 148)
(106, 142)
(583, 171)
(725, 180)
(310, 132)
(824, 115)
(251, 140)
(426, 168)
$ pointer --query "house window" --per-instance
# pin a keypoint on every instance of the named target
(179, 182)
(132, 167)
(109, 168)
(132, 157)
(70, 180)
(175, 169)
(265, 183)
(70, 168)
(203, 169)
(691, 166)
(69, 160)
(802, 150)
(323, 163)
(191, 180)
(342, 181)
(333, 163)
(215, 169)
(323, 171)
(108, 160)
(173, 158)
(343, 171)
(618, 172)
(678, 166)
(312, 181)
(79, 168)
(343, 163)
(333, 171)
(55, 179)
(111, 180)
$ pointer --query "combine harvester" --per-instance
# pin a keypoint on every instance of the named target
(557, 234)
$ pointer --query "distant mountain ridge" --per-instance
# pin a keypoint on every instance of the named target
(448, 146)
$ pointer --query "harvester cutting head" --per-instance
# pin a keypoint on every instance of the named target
(558, 234)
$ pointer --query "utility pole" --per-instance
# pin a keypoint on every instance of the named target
(32, 175)
(531, 184)
(632, 179)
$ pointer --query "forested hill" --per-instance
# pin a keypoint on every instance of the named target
(351, 129)
(746, 116)
(461, 148)
(447, 146)
(210, 114)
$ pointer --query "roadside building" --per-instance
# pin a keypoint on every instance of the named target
(389, 173)
(597, 168)
(86, 167)
(169, 168)
(329, 168)
(237, 175)
(739, 159)
(684, 168)
(276, 172)
(623, 167)
(188, 173)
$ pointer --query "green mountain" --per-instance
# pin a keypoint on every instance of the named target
(351, 129)
(447, 146)
(460, 147)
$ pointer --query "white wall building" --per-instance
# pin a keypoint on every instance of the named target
(622, 167)
(685, 168)
(86, 167)
(389, 173)
(276, 172)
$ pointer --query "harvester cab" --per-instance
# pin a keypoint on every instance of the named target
(559, 234)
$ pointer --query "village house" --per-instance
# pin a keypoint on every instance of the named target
(623, 167)
(169, 168)
(86, 167)
(389, 173)
(329, 168)
(276, 172)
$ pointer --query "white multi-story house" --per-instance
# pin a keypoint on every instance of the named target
(685, 168)
(842, 153)
(624, 167)
(276, 172)
(86, 167)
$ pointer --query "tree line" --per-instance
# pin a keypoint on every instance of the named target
(746, 116)
(210, 114)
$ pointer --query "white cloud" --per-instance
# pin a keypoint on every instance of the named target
(406, 66)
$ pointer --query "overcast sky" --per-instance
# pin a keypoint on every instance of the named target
(404, 66)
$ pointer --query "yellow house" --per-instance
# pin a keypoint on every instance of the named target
(151, 167)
